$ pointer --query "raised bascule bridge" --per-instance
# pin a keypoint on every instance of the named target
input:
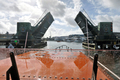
(31, 35)
(100, 36)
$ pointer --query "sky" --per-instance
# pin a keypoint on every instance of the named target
(63, 12)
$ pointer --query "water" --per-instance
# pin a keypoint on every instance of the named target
(2, 47)
(54, 44)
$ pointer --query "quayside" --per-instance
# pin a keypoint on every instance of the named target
(55, 64)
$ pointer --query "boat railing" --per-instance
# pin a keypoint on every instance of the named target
(106, 69)
(62, 47)
(108, 62)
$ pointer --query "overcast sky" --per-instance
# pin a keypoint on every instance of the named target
(63, 11)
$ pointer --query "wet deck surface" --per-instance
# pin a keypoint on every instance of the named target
(44, 65)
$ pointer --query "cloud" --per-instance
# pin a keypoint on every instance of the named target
(58, 22)
(70, 21)
(116, 23)
(72, 12)
(8, 5)
(77, 5)
(2, 15)
(2, 25)
(102, 4)
(17, 5)
(112, 4)
(25, 7)
(56, 7)
(53, 31)
(5, 26)
(102, 18)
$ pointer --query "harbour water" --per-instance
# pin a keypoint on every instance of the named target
(55, 44)
(2, 47)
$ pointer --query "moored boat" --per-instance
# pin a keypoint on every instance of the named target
(88, 45)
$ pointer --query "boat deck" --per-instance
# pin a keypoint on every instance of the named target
(49, 65)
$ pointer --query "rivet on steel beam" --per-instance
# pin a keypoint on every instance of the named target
(89, 79)
(60, 77)
(34, 76)
(83, 78)
(28, 76)
(23, 75)
(72, 78)
(50, 77)
(3, 75)
(55, 77)
(77, 78)
(66, 77)
(44, 76)
(39, 76)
